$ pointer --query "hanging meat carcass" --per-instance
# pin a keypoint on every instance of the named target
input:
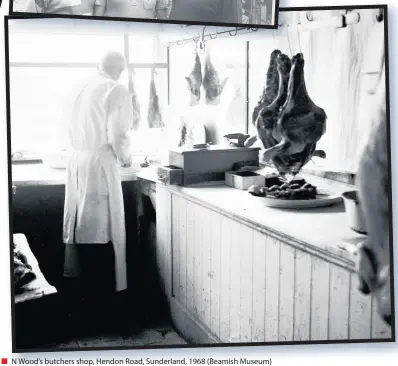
(194, 80)
(135, 103)
(154, 114)
(301, 123)
(194, 84)
(271, 88)
(211, 82)
(267, 111)
(292, 124)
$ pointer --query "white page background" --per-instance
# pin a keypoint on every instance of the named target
(319, 355)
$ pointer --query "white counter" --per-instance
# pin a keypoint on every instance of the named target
(322, 231)
(236, 271)
(41, 174)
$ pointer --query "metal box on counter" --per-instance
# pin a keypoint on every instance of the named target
(170, 175)
(244, 179)
(210, 164)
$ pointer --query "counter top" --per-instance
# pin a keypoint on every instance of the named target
(323, 232)
(149, 174)
(40, 174)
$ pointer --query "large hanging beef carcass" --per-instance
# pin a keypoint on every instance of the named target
(266, 113)
(301, 123)
(289, 127)
(272, 87)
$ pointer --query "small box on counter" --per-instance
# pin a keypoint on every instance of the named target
(244, 179)
(170, 175)
(210, 163)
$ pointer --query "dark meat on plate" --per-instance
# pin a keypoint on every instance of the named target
(297, 189)
(135, 103)
(194, 80)
(211, 82)
(154, 114)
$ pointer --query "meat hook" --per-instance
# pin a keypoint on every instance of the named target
(202, 42)
(195, 41)
(236, 32)
(298, 36)
(214, 35)
(203, 33)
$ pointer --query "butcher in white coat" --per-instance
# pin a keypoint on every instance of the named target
(100, 119)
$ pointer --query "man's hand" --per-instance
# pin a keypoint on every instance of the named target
(127, 163)
(366, 268)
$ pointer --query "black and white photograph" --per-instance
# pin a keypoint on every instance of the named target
(259, 13)
(192, 185)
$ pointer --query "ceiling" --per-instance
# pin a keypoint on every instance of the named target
(171, 32)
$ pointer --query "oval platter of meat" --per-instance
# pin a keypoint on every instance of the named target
(295, 194)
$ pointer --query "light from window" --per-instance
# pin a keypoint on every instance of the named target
(38, 92)
(37, 47)
(37, 97)
(141, 49)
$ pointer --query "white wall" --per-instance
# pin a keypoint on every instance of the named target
(334, 59)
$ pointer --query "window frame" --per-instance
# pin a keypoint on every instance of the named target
(26, 156)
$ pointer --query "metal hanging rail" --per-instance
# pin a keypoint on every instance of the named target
(210, 36)
(340, 21)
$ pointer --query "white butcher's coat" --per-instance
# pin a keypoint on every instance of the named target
(100, 117)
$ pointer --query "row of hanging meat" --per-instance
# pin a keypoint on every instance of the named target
(208, 79)
(154, 116)
(288, 123)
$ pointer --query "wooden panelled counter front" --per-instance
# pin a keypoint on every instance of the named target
(231, 279)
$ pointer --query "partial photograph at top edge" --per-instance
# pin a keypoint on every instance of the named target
(258, 13)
